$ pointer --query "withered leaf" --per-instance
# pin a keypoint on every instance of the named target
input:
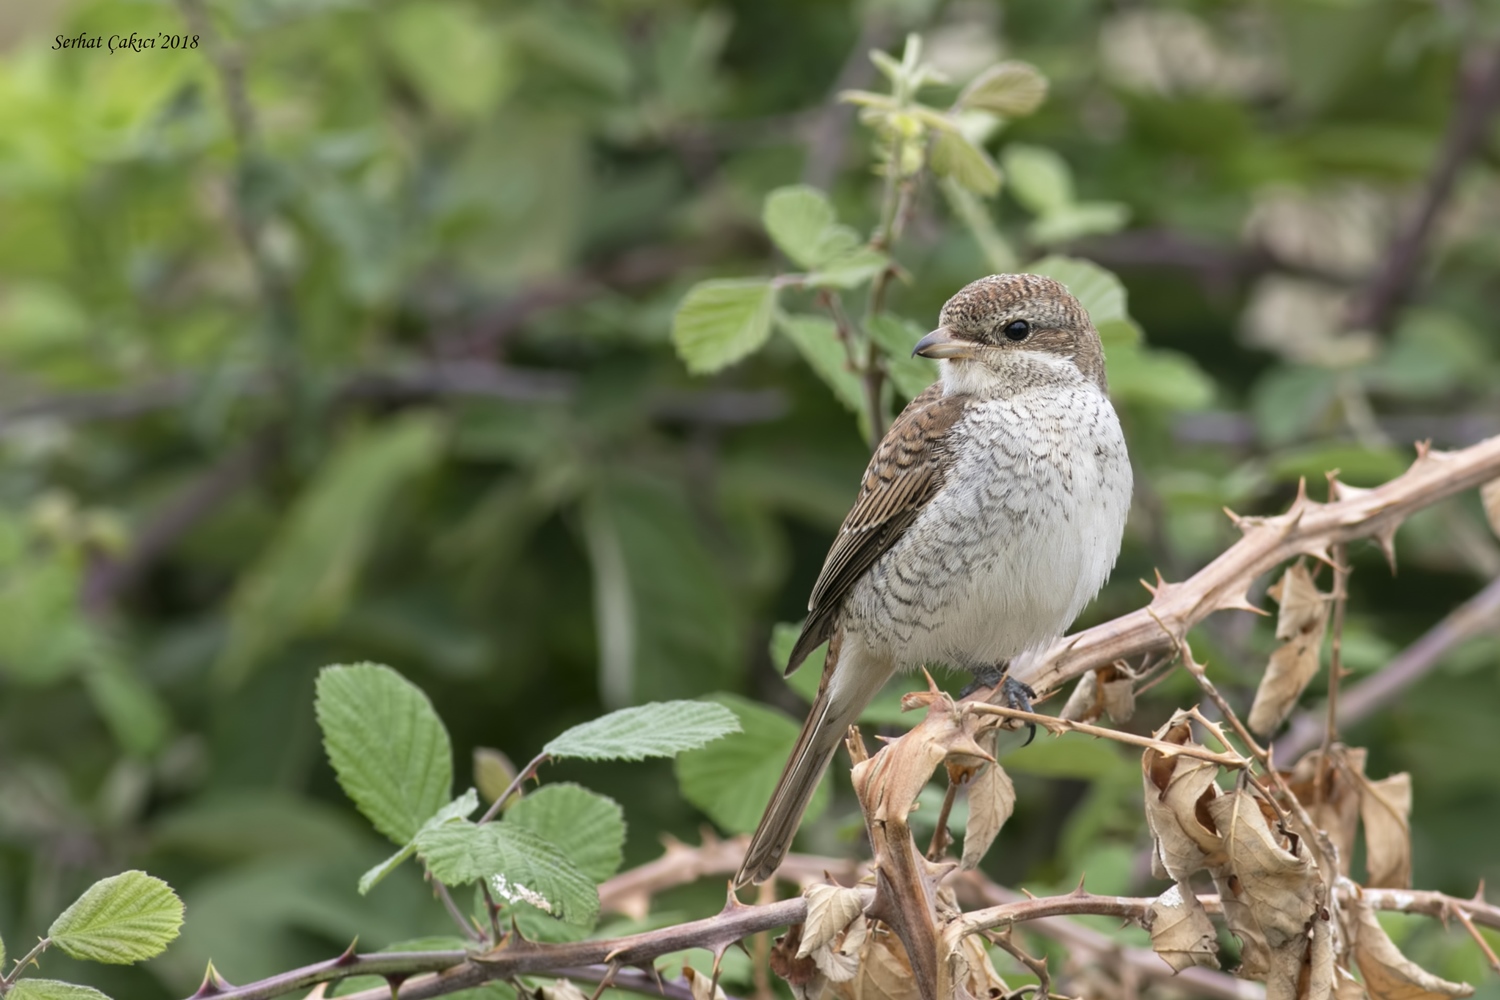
(1176, 789)
(971, 973)
(1345, 986)
(562, 989)
(1489, 494)
(1333, 807)
(885, 972)
(702, 986)
(830, 908)
(801, 974)
(1118, 698)
(1316, 981)
(1269, 893)
(1083, 704)
(1385, 809)
(840, 961)
(1181, 932)
(992, 799)
(1388, 974)
(1301, 623)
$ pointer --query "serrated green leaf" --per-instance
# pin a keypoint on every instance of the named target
(1100, 292)
(1039, 178)
(517, 865)
(657, 729)
(817, 340)
(1164, 379)
(955, 156)
(460, 808)
(52, 989)
(720, 322)
(587, 827)
(388, 747)
(126, 918)
(802, 223)
(732, 780)
(896, 336)
(1010, 89)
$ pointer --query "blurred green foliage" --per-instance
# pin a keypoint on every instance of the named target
(389, 376)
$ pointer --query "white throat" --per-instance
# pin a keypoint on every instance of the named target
(1017, 371)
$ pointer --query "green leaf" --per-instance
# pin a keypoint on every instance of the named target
(720, 322)
(658, 729)
(1290, 402)
(460, 808)
(517, 865)
(119, 920)
(52, 989)
(1164, 379)
(732, 780)
(453, 56)
(850, 270)
(955, 156)
(386, 744)
(587, 827)
(817, 340)
(1039, 178)
(896, 336)
(1099, 291)
(802, 223)
(306, 576)
(1010, 89)
(1071, 222)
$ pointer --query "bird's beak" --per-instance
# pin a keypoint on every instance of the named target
(941, 343)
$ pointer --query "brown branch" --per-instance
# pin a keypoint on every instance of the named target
(1056, 725)
(1478, 99)
(1478, 614)
(1308, 528)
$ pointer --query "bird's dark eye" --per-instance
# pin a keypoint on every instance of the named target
(1017, 330)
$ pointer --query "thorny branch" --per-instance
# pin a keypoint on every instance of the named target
(1308, 528)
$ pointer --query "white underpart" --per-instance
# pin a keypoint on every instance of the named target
(1021, 537)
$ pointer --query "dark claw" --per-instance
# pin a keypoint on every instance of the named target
(1018, 695)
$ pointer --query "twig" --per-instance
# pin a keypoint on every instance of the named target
(1476, 615)
(1484, 946)
(1308, 528)
(469, 930)
(393, 963)
(633, 980)
(1478, 98)
(529, 771)
(22, 962)
(1335, 663)
(1056, 725)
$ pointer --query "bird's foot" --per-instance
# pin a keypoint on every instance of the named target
(1013, 693)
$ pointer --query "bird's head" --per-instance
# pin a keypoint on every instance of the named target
(1011, 330)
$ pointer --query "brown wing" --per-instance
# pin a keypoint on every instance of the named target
(904, 473)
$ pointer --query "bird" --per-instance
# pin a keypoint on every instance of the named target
(991, 513)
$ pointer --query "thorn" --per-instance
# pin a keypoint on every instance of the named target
(213, 984)
(1242, 603)
(732, 902)
(1424, 447)
(348, 957)
(1028, 892)
(1479, 892)
(1078, 890)
(1235, 519)
(394, 981)
(932, 687)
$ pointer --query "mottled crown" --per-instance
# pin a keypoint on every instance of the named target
(981, 310)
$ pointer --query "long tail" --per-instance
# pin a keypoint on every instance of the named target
(845, 690)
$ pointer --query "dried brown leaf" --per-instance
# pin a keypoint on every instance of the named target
(1489, 494)
(703, 987)
(1316, 981)
(830, 908)
(801, 974)
(992, 799)
(1118, 698)
(1181, 932)
(1388, 974)
(1301, 623)
(1083, 704)
(970, 972)
(1385, 809)
(1177, 791)
(840, 961)
(562, 989)
(1270, 890)
(885, 973)
(1334, 805)
(1346, 987)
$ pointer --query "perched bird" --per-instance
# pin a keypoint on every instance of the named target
(990, 514)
